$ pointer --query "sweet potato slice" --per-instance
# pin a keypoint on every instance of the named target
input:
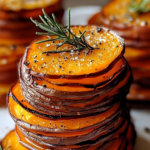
(95, 20)
(11, 142)
(138, 93)
(89, 80)
(73, 123)
(55, 111)
(129, 25)
(122, 20)
(110, 47)
(30, 6)
(7, 52)
(143, 64)
(133, 54)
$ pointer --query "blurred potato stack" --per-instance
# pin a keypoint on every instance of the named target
(131, 20)
(16, 32)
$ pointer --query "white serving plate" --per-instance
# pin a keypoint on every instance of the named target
(141, 118)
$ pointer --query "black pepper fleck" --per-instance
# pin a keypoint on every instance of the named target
(99, 29)
(26, 63)
(35, 61)
(47, 54)
(44, 85)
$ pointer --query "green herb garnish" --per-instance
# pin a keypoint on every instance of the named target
(1, 147)
(140, 7)
(52, 27)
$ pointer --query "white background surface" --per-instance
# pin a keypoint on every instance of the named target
(141, 118)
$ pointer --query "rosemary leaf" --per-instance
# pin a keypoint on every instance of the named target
(49, 20)
(43, 20)
(69, 22)
(42, 33)
(139, 7)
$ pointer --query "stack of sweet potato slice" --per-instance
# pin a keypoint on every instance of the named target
(73, 100)
(16, 32)
(135, 29)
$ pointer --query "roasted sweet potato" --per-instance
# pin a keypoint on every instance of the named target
(134, 27)
(25, 5)
(73, 100)
(127, 24)
(11, 142)
(70, 67)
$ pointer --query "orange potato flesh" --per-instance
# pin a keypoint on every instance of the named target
(76, 88)
(138, 93)
(11, 142)
(35, 144)
(55, 64)
(143, 64)
(17, 41)
(95, 19)
(4, 88)
(8, 142)
(26, 5)
(69, 134)
(116, 144)
(70, 124)
(7, 51)
(119, 9)
(63, 88)
(90, 80)
(108, 94)
(140, 74)
(9, 61)
(120, 131)
(136, 53)
(17, 92)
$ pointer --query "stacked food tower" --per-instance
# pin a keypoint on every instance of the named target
(130, 19)
(16, 32)
(71, 93)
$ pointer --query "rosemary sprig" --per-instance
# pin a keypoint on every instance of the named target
(52, 27)
(140, 7)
